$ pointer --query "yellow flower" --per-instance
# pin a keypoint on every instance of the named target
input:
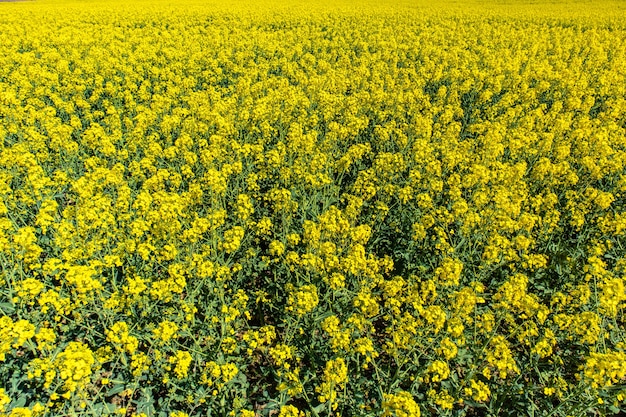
(264, 227)
(45, 337)
(119, 335)
(290, 411)
(75, 365)
(228, 345)
(140, 362)
(449, 272)
(228, 372)
(291, 383)
(335, 378)
(435, 316)
(478, 390)
(82, 278)
(340, 338)
(293, 239)
(365, 347)
(166, 331)
(439, 370)
(612, 296)
(20, 412)
(244, 207)
(605, 369)
(447, 348)
(400, 404)
(29, 288)
(544, 347)
(46, 214)
(281, 354)
(442, 398)
(4, 399)
(500, 356)
(303, 300)
(276, 248)
(367, 303)
(182, 360)
(232, 239)
(21, 332)
(28, 250)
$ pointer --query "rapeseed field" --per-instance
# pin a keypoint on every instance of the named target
(325, 208)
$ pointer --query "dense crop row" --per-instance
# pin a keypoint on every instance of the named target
(323, 210)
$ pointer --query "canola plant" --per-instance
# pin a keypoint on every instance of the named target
(346, 208)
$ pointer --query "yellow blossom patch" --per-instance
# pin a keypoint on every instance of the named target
(395, 208)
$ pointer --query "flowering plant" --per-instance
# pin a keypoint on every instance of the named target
(332, 209)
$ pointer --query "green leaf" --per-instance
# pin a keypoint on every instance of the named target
(7, 308)
(20, 402)
(115, 390)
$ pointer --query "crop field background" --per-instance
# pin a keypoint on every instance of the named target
(340, 208)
